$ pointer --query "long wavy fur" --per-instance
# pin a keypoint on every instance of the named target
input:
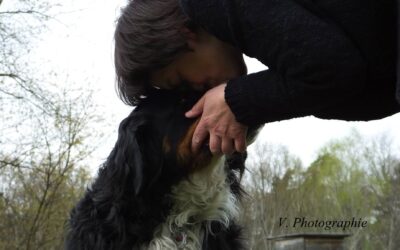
(144, 193)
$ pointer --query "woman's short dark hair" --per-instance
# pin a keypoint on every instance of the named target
(148, 36)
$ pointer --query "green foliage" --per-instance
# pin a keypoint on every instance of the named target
(35, 206)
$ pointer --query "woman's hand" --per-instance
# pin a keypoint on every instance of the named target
(217, 120)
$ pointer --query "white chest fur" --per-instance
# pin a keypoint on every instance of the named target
(204, 197)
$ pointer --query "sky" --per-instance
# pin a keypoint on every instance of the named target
(80, 42)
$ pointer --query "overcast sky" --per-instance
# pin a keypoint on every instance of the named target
(81, 43)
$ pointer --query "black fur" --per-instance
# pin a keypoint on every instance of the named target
(129, 198)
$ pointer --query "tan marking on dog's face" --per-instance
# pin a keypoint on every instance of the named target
(186, 158)
(184, 147)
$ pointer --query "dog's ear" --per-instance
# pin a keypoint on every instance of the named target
(149, 141)
(136, 158)
(116, 201)
(126, 159)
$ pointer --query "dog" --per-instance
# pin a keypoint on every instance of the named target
(154, 193)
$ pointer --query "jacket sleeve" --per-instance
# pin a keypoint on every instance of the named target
(312, 64)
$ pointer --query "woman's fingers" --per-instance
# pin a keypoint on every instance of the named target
(240, 143)
(219, 123)
(197, 109)
(227, 146)
(199, 136)
(215, 144)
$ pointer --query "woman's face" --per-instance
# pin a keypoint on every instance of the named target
(209, 63)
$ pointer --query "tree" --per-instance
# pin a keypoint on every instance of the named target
(44, 135)
(351, 177)
(384, 166)
(269, 182)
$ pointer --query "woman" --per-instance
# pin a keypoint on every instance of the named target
(334, 59)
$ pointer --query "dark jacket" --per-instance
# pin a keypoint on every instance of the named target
(334, 59)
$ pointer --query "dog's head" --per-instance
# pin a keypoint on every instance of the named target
(154, 142)
(129, 198)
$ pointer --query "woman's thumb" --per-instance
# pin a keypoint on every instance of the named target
(197, 109)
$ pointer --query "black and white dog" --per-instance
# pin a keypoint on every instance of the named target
(154, 193)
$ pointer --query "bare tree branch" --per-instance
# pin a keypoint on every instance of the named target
(8, 75)
(28, 12)
(11, 94)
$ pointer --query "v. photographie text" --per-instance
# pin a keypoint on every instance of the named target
(303, 222)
